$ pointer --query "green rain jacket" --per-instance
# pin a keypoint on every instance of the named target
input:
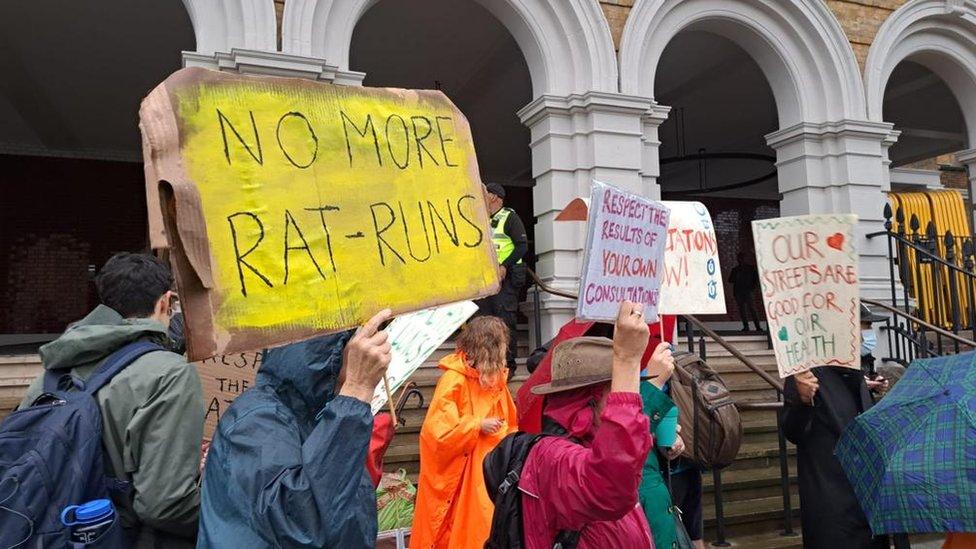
(653, 493)
(152, 415)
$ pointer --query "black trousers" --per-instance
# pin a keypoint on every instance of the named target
(747, 310)
(504, 305)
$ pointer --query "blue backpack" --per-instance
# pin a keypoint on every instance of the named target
(51, 457)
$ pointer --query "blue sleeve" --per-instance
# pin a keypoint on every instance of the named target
(315, 493)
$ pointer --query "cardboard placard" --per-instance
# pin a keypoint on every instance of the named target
(414, 337)
(692, 274)
(625, 242)
(808, 273)
(224, 378)
(294, 208)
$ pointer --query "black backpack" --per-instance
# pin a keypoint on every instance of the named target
(503, 468)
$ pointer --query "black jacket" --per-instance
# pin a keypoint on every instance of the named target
(831, 515)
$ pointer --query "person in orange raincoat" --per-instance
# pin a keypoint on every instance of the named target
(470, 413)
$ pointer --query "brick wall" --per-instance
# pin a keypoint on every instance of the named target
(57, 217)
(861, 20)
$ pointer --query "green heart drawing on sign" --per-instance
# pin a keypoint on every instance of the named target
(783, 334)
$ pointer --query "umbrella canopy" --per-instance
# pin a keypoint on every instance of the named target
(911, 459)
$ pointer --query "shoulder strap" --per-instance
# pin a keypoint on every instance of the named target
(116, 362)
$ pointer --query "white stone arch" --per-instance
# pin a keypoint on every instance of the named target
(799, 45)
(222, 25)
(566, 44)
(938, 34)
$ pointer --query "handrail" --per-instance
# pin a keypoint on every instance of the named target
(778, 405)
(546, 288)
(919, 249)
(735, 352)
(917, 320)
(706, 330)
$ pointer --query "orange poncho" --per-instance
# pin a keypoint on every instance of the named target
(453, 509)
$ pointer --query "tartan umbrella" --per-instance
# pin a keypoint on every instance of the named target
(911, 459)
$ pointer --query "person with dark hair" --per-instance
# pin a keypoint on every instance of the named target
(511, 245)
(152, 411)
(470, 413)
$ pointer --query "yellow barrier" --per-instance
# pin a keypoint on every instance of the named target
(946, 210)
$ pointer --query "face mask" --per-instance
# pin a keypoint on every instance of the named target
(868, 342)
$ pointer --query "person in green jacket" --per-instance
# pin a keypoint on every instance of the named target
(653, 493)
(152, 411)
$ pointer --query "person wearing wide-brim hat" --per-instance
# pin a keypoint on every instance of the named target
(586, 480)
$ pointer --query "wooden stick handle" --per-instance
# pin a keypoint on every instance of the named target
(389, 399)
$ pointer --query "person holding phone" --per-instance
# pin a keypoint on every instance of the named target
(818, 405)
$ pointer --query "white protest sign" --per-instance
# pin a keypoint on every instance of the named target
(692, 274)
(625, 241)
(414, 337)
(808, 272)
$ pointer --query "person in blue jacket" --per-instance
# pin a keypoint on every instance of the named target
(287, 467)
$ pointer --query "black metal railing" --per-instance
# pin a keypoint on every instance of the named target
(692, 324)
(932, 279)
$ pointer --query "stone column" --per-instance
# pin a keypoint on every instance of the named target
(651, 162)
(840, 167)
(576, 139)
(968, 158)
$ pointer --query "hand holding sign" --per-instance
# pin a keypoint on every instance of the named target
(293, 208)
(365, 358)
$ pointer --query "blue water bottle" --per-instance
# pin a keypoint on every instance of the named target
(89, 521)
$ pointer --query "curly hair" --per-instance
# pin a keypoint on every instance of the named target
(484, 342)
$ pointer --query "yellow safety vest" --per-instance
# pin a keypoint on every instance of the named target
(504, 246)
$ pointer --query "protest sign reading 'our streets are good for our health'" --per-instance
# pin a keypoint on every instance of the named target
(692, 274)
(808, 274)
(624, 253)
(292, 207)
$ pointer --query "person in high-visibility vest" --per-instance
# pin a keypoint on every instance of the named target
(511, 244)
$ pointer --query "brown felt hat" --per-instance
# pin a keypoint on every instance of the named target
(579, 362)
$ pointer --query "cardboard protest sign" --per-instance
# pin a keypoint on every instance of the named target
(625, 242)
(293, 207)
(414, 337)
(224, 378)
(692, 274)
(808, 272)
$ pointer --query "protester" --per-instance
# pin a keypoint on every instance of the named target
(686, 495)
(470, 413)
(744, 279)
(819, 404)
(869, 340)
(287, 463)
(511, 245)
(586, 481)
(530, 405)
(152, 411)
(653, 493)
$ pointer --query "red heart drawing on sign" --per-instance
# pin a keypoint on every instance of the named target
(836, 241)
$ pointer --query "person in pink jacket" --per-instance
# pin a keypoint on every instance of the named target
(589, 485)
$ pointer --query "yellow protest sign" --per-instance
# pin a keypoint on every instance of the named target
(295, 207)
